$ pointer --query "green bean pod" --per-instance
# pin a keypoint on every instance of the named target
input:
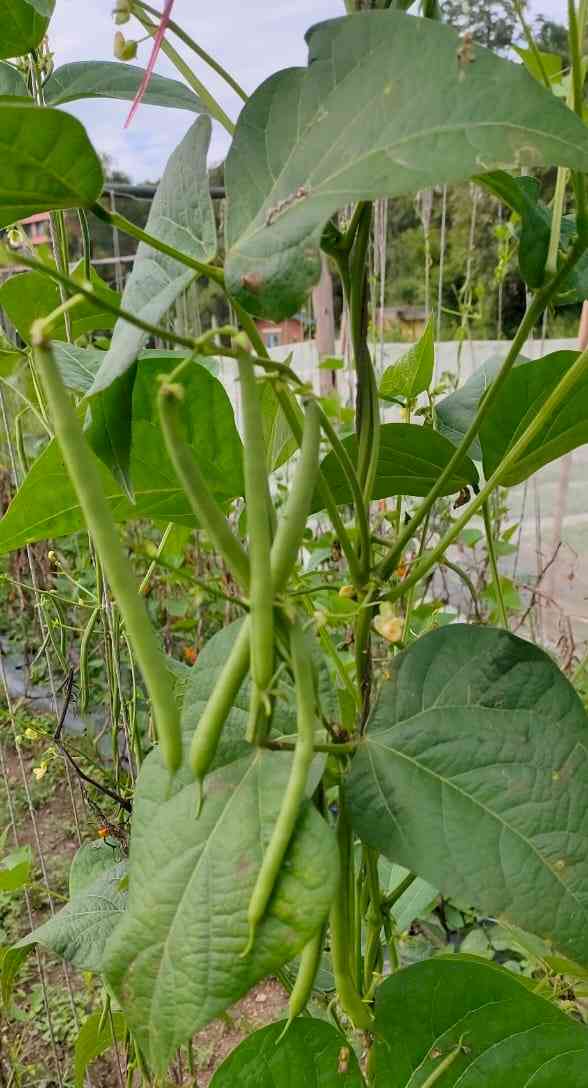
(85, 477)
(84, 672)
(292, 524)
(306, 975)
(260, 541)
(215, 713)
(195, 487)
(296, 788)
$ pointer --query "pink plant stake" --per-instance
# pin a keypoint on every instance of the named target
(152, 60)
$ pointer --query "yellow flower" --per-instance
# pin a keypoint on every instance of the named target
(31, 734)
(40, 771)
(387, 624)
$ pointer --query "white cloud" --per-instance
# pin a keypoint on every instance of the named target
(251, 38)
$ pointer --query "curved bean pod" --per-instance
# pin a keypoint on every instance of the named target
(291, 525)
(215, 713)
(260, 540)
(296, 788)
(83, 473)
(307, 972)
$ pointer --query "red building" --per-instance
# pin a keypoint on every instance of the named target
(36, 228)
(290, 331)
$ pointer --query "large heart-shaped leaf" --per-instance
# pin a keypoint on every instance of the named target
(11, 80)
(478, 1019)
(473, 774)
(411, 459)
(309, 1056)
(385, 107)
(23, 25)
(28, 296)
(181, 216)
(78, 933)
(175, 962)
(521, 398)
(45, 506)
(455, 413)
(110, 79)
(92, 860)
(47, 161)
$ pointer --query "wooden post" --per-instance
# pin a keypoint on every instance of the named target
(324, 316)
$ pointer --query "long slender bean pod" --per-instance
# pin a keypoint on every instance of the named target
(347, 992)
(291, 525)
(85, 478)
(195, 486)
(260, 541)
(84, 672)
(306, 975)
(295, 790)
(216, 711)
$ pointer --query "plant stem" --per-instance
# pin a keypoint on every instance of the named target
(86, 243)
(214, 107)
(488, 528)
(518, 6)
(120, 222)
(347, 993)
(565, 386)
(575, 41)
(89, 293)
(540, 301)
(200, 52)
(85, 478)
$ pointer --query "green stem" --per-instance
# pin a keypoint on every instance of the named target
(488, 529)
(86, 243)
(88, 292)
(292, 523)
(575, 41)
(467, 583)
(200, 52)
(120, 222)
(443, 1066)
(214, 107)
(389, 900)
(532, 44)
(547, 412)
(347, 993)
(195, 486)
(85, 478)
(540, 301)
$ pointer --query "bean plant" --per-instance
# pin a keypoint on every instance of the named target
(299, 787)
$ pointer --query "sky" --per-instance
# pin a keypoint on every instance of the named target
(251, 38)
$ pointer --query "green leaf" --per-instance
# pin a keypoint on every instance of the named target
(409, 463)
(307, 1057)
(48, 161)
(384, 108)
(203, 678)
(411, 374)
(522, 196)
(23, 25)
(551, 62)
(110, 79)
(11, 81)
(175, 962)
(455, 413)
(11, 960)
(28, 296)
(521, 398)
(92, 860)
(109, 432)
(511, 1037)
(93, 1041)
(15, 869)
(473, 775)
(45, 506)
(417, 899)
(78, 933)
(181, 216)
(78, 366)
